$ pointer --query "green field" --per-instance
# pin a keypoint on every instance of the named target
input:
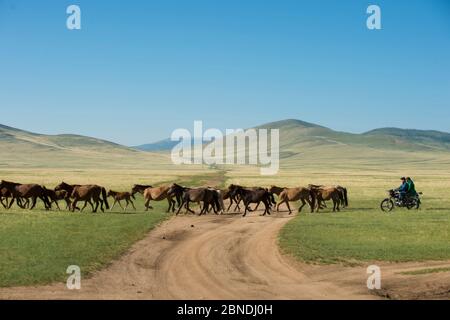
(36, 247)
(356, 236)
(363, 232)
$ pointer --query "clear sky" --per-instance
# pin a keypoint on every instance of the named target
(137, 70)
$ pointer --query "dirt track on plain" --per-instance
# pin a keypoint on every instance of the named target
(219, 257)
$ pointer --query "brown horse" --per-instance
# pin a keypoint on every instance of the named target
(305, 195)
(89, 193)
(254, 196)
(158, 194)
(209, 197)
(276, 190)
(139, 188)
(237, 198)
(119, 196)
(328, 193)
(5, 194)
(342, 190)
(25, 191)
(55, 196)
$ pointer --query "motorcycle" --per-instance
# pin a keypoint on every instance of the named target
(409, 202)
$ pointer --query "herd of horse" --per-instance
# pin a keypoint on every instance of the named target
(178, 197)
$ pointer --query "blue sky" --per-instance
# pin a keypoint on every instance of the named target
(140, 69)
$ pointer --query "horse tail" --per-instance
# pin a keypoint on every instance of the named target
(272, 198)
(105, 198)
(312, 194)
(345, 196)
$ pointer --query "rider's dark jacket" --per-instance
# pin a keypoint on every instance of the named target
(403, 188)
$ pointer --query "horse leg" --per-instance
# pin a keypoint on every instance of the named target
(189, 209)
(112, 207)
(231, 203)
(237, 205)
(133, 205)
(74, 204)
(303, 204)
(12, 202)
(182, 202)
(57, 205)
(289, 207)
(33, 204)
(96, 206)
(266, 206)
(246, 208)
(85, 204)
(169, 200)
(281, 202)
(120, 205)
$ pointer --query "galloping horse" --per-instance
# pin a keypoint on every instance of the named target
(25, 191)
(305, 195)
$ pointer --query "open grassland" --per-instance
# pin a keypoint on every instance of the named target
(363, 232)
(37, 246)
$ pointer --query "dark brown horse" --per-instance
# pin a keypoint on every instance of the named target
(139, 188)
(55, 196)
(209, 197)
(68, 188)
(89, 193)
(25, 191)
(254, 196)
(5, 194)
(233, 195)
(119, 196)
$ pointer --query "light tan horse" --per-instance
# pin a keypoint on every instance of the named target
(328, 193)
(343, 194)
(305, 195)
(158, 194)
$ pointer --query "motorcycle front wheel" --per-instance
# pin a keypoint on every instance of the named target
(387, 205)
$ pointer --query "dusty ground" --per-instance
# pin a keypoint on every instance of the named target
(229, 257)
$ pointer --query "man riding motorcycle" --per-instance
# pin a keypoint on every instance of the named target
(403, 189)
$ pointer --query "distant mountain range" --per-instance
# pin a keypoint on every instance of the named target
(301, 144)
(295, 134)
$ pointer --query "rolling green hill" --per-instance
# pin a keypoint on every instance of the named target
(302, 144)
(20, 148)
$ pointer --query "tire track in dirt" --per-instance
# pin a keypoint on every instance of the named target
(207, 257)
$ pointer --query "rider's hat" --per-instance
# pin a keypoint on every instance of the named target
(402, 178)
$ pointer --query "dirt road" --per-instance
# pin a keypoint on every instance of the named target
(208, 257)
(214, 257)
